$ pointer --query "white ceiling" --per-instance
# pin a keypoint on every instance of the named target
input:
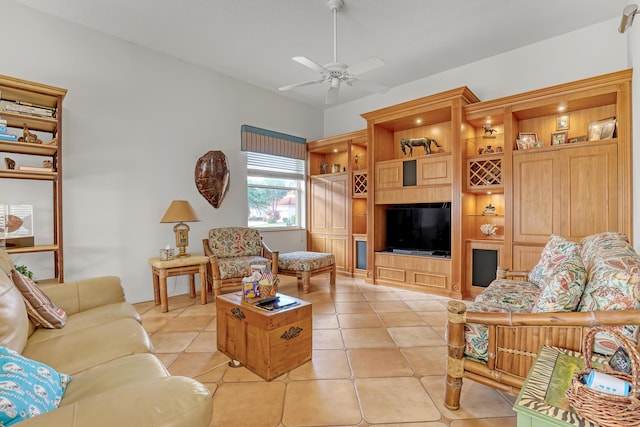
(254, 40)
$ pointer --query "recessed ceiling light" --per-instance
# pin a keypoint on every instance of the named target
(335, 150)
(418, 121)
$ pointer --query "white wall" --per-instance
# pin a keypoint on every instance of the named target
(135, 123)
(592, 51)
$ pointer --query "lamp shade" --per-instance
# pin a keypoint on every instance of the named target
(180, 211)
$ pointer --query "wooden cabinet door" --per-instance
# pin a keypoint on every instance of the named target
(589, 191)
(434, 170)
(572, 193)
(338, 190)
(329, 198)
(319, 208)
(536, 196)
(339, 247)
(318, 243)
(336, 244)
(388, 174)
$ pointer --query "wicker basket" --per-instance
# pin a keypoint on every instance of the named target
(606, 410)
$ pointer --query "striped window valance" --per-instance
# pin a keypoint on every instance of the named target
(266, 141)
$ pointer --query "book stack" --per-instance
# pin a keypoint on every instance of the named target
(5, 135)
(27, 108)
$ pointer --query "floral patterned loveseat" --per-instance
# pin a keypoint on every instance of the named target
(574, 286)
(232, 251)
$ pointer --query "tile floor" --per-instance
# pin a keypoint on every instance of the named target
(378, 360)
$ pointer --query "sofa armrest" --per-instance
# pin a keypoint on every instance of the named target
(514, 340)
(572, 318)
(272, 255)
(505, 273)
(171, 401)
(81, 295)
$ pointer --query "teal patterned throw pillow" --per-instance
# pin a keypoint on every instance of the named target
(27, 388)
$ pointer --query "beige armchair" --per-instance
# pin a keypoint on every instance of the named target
(232, 251)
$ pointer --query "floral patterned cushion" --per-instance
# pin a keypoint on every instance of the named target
(554, 253)
(305, 261)
(234, 242)
(501, 296)
(510, 295)
(614, 272)
(562, 287)
(234, 267)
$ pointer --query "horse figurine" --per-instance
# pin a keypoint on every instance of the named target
(417, 142)
(488, 130)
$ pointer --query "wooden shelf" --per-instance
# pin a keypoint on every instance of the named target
(18, 174)
(33, 122)
(33, 249)
(26, 148)
(566, 146)
(50, 281)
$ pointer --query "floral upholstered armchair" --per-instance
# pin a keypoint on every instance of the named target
(232, 251)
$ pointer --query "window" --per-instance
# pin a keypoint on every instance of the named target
(275, 191)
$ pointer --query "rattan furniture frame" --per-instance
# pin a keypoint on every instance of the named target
(514, 342)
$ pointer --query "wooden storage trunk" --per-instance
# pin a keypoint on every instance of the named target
(267, 343)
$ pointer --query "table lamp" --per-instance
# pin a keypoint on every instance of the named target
(180, 211)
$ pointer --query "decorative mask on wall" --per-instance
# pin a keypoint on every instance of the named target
(212, 177)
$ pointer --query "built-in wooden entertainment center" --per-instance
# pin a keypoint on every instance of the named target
(570, 189)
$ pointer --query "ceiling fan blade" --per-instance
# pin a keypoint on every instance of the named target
(295, 85)
(332, 95)
(370, 86)
(310, 64)
(366, 65)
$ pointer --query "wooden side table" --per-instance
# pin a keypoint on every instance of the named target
(190, 265)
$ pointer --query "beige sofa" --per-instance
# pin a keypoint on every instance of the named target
(116, 380)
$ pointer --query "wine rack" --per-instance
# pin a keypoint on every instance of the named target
(360, 183)
(485, 173)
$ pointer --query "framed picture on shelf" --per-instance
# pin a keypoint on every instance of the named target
(562, 122)
(580, 138)
(560, 137)
(602, 129)
(526, 140)
(528, 137)
(608, 128)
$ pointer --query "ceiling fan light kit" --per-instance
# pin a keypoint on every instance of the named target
(336, 73)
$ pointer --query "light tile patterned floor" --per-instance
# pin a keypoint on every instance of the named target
(378, 360)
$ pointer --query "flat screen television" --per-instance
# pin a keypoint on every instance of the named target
(420, 229)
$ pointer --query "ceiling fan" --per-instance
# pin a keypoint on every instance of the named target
(336, 72)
